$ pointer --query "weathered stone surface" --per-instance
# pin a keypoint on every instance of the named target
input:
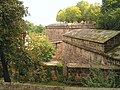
(102, 40)
(94, 35)
(59, 46)
(55, 31)
(82, 50)
(55, 34)
(13, 86)
(44, 87)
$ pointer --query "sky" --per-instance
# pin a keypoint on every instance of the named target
(44, 11)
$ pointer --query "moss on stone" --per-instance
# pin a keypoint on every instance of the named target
(100, 36)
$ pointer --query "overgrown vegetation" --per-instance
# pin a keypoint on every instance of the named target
(12, 34)
(38, 49)
(101, 78)
(23, 48)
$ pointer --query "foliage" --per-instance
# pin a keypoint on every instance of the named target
(89, 12)
(70, 14)
(83, 11)
(39, 29)
(93, 12)
(39, 50)
(13, 52)
(61, 16)
(39, 47)
(83, 6)
(110, 5)
(12, 32)
(30, 27)
(99, 78)
(110, 15)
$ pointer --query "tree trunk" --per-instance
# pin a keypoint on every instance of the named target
(4, 65)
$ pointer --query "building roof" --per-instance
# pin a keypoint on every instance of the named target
(99, 36)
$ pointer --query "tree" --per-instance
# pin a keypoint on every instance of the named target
(109, 5)
(89, 12)
(11, 31)
(61, 16)
(83, 11)
(72, 14)
(110, 15)
(93, 12)
(30, 27)
(40, 50)
(83, 6)
(39, 28)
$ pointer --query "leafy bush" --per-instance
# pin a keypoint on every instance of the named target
(98, 78)
(27, 65)
(39, 48)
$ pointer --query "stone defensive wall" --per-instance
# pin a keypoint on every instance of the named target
(55, 34)
(90, 48)
(55, 31)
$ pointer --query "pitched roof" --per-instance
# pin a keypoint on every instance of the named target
(100, 36)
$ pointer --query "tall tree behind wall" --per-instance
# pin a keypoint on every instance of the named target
(70, 14)
(11, 31)
(30, 27)
(83, 11)
(110, 15)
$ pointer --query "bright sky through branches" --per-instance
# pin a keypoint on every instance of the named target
(44, 11)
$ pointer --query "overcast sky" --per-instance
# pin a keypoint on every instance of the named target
(44, 11)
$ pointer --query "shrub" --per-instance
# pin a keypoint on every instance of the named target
(98, 78)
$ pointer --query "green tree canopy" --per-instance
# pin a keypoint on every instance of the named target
(70, 14)
(11, 31)
(93, 12)
(110, 15)
(83, 11)
(60, 16)
(83, 6)
(89, 12)
(30, 27)
(109, 5)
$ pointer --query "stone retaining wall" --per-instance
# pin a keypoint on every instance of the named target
(12, 86)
